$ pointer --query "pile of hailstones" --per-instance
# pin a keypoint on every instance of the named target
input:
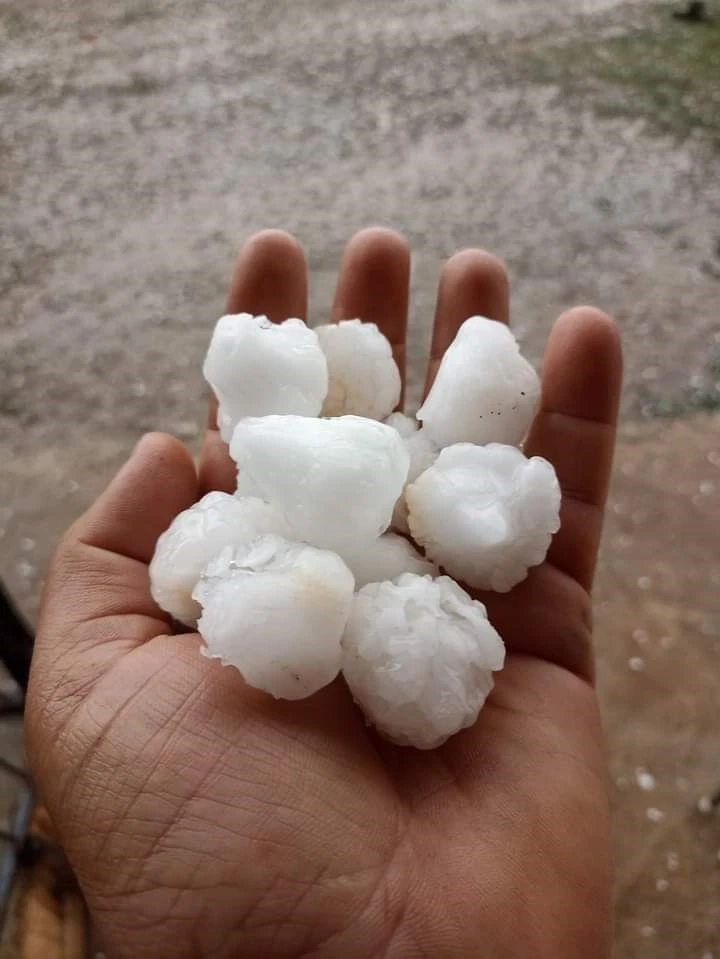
(313, 566)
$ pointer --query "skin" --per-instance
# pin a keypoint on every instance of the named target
(205, 819)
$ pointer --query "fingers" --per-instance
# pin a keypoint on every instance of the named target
(575, 430)
(472, 283)
(374, 285)
(156, 483)
(99, 571)
(270, 278)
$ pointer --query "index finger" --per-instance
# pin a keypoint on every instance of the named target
(270, 278)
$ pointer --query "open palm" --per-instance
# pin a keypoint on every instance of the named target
(205, 819)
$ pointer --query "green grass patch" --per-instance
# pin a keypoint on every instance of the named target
(700, 399)
(661, 69)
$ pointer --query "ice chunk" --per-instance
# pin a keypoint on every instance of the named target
(335, 481)
(276, 611)
(485, 513)
(404, 424)
(386, 558)
(423, 453)
(194, 537)
(418, 657)
(363, 376)
(484, 391)
(256, 367)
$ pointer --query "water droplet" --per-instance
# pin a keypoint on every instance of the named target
(667, 641)
(714, 457)
(24, 569)
(644, 582)
(707, 955)
(645, 780)
(640, 637)
(662, 885)
(650, 373)
(654, 815)
(138, 389)
(636, 664)
(647, 932)
(707, 487)
(27, 544)
(704, 805)
(6, 514)
(682, 784)
(72, 486)
(673, 861)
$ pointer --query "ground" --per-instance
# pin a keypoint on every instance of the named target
(141, 141)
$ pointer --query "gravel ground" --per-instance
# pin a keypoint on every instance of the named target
(141, 142)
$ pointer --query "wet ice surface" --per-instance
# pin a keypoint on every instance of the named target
(485, 513)
(484, 391)
(363, 377)
(335, 481)
(419, 656)
(276, 611)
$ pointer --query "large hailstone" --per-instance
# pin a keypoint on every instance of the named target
(418, 657)
(194, 537)
(256, 367)
(276, 611)
(485, 513)
(484, 391)
(363, 376)
(335, 481)
(386, 558)
(423, 453)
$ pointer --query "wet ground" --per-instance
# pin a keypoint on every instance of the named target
(140, 142)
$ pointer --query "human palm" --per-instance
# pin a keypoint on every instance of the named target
(205, 819)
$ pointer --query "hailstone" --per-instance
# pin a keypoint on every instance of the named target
(276, 611)
(484, 391)
(363, 375)
(418, 657)
(423, 453)
(256, 367)
(335, 481)
(485, 513)
(194, 537)
(386, 558)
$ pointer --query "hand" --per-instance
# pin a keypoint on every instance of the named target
(205, 819)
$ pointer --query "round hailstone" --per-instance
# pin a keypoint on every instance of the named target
(335, 481)
(485, 513)
(484, 391)
(256, 368)
(423, 453)
(386, 558)
(404, 424)
(418, 656)
(276, 611)
(194, 537)
(363, 376)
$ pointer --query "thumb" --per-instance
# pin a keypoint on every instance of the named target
(97, 596)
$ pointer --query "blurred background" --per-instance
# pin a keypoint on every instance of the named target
(142, 140)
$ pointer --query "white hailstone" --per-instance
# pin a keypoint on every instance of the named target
(386, 558)
(194, 537)
(423, 453)
(485, 513)
(335, 481)
(276, 611)
(484, 391)
(363, 376)
(404, 424)
(418, 657)
(256, 368)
